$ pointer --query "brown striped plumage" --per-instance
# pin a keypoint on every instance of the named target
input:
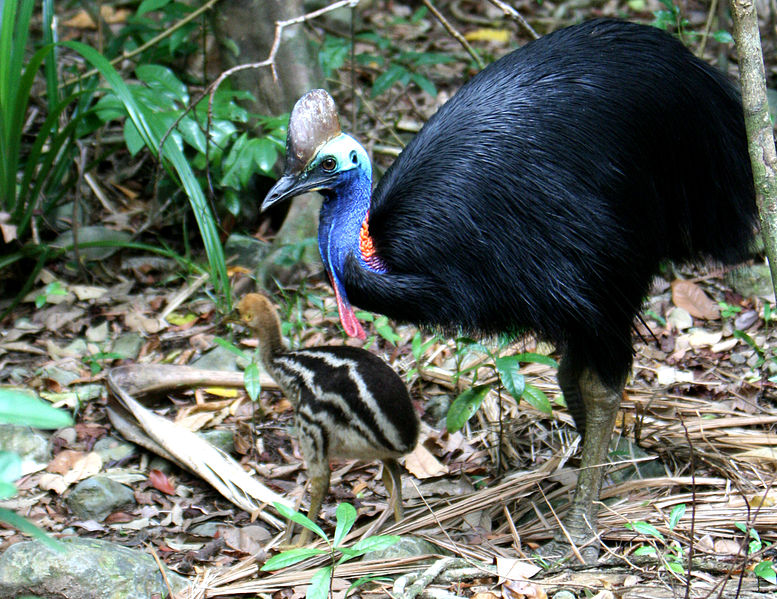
(348, 403)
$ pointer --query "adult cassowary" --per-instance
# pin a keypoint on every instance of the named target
(543, 196)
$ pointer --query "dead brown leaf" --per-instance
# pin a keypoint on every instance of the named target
(422, 464)
(691, 298)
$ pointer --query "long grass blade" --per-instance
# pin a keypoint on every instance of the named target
(152, 131)
(49, 37)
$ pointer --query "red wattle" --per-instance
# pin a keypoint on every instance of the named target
(351, 324)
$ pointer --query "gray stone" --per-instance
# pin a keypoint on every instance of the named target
(87, 569)
(97, 497)
(218, 358)
(220, 437)
(407, 546)
(128, 345)
(752, 281)
(29, 444)
(111, 449)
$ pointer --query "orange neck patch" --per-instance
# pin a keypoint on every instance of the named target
(367, 247)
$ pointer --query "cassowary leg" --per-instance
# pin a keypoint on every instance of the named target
(319, 474)
(599, 403)
(392, 479)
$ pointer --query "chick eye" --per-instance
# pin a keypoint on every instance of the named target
(328, 164)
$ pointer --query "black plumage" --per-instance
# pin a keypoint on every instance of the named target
(543, 196)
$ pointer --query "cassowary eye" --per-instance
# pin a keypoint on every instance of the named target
(354, 157)
(328, 164)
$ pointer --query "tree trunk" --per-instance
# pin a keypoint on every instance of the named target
(760, 135)
(245, 31)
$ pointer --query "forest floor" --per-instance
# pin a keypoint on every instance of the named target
(694, 455)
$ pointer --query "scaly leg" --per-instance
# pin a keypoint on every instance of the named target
(392, 479)
(319, 474)
(584, 389)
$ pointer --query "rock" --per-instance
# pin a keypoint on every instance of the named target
(218, 358)
(29, 444)
(752, 281)
(222, 438)
(437, 408)
(87, 569)
(407, 546)
(128, 345)
(97, 497)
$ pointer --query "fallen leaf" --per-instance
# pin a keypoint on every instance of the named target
(515, 569)
(82, 20)
(247, 539)
(160, 482)
(500, 36)
(53, 482)
(88, 465)
(689, 296)
(422, 464)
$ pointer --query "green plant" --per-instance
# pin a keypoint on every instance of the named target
(728, 311)
(672, 556)
(670, 18)
(764, 568)
(20, 408)
(507, 369)
(320, 582)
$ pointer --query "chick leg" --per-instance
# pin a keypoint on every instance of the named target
(392, 479)
(319, 474)
(595, 408)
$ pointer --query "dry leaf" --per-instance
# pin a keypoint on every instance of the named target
(160, 482)
(690, 297)
(727, 547)
(701, 338)
(515, 569)
(86, 466)
(53, 482)
(63, 462)
(514, 589)
(500, 36)
(248, 539)
(422, 464)
(81, 21)
(114, 16)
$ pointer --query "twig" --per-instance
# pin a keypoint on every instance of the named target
(510, 12)
(455, 34)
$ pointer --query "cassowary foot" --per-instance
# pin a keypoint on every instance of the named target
(559, 550)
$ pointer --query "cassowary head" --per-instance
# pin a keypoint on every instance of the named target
(319, 157)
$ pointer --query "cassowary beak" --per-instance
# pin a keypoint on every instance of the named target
(286, 187)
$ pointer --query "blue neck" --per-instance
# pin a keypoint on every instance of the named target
(342, 214)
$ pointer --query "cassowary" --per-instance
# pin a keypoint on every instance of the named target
(543, 196)
(348, 403)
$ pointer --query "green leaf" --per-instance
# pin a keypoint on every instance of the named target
(162, 80)
(346, 517)
(251, 379)
(741, 526)
(333, 53)
(765, 570)
(7, 490)
(376, 543)
(192, 134)
(319, 584)
(149, 5)
(298, 518)
(645, 550)
(425, 84)
(513, 381)
(646, 529)
(385, 330)
(10, 467)
(18, 407)
(537, 399)
(264, 154)
(132, 138)
(384, 81)
(27, 527)
(675, 566)
(723, 37)
(231, 347)
(464, 407)
(536, 358)
(290, 557)
(676, 515)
